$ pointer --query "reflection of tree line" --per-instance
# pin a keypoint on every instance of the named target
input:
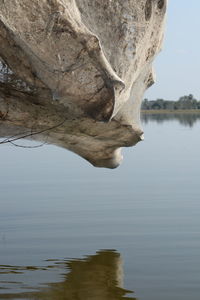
(97, 277)
(186, 119)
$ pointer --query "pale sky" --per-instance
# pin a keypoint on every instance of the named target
(177, 67)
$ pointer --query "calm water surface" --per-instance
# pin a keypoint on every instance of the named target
(71, 231)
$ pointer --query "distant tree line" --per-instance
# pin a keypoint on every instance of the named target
(184, 102)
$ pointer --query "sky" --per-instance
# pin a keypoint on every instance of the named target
(177, 67)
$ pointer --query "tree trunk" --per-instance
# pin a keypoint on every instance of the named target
(76, 71)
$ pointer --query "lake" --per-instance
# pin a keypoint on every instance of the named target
(72, 231)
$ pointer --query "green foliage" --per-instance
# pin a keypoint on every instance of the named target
(183, 103)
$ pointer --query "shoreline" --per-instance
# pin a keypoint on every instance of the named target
(168, 111)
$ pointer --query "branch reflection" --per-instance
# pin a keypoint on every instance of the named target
(98, 277)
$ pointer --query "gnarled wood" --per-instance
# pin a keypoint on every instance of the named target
(78, 60)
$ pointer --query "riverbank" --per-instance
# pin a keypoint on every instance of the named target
(173, 111)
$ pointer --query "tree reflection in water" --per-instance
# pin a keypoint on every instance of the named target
(96, 277)
(185, 119)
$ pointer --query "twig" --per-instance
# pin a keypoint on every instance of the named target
(8, 140)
